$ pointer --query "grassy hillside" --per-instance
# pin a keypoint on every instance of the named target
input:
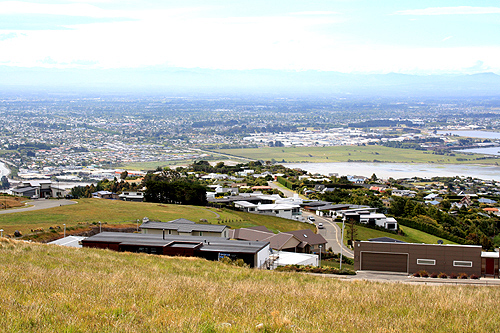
(54, 289)
(353, 153)
(122, 212)
(410, 235)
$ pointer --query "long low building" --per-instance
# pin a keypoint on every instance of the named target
(411, 257)
(256, 254)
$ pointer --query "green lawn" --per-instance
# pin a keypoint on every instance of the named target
(144, 166)
(411, 235)
(353, 153)
(122, 212)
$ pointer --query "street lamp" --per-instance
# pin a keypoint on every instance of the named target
(100, 229)
(342, 242)
(320, 255)
(64, 224)
(137, 225)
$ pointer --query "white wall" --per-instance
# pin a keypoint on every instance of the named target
(262, 256)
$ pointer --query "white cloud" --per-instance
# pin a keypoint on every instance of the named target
(314, 13)
(446, 38)
(188, 38)
(86, 10)
(460, 10)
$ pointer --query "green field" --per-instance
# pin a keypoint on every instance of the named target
(49, 288)
(352, 153)
(123, 212)
(411, 235)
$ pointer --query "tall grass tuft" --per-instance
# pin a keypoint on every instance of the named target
(47, 288)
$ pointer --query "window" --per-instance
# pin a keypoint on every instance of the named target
(430, 262)
(458, 263)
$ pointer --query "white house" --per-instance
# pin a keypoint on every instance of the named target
(132, 196)
(379, 220)
(287, 211)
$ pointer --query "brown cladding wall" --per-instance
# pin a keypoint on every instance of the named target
(376, 256)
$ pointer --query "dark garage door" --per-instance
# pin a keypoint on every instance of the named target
(389, 262)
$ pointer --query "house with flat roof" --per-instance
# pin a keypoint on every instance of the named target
(183, 227)
(254, 253)
(286, 211)
(132, 196)
(374, 219)
(411, 257)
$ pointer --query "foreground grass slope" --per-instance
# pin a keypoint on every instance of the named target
(353, 153)
(54, 289)
(126, 213)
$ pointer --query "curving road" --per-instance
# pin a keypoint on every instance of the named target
(332, 233)
(39, 204)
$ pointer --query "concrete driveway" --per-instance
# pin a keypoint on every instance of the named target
(332, 233)
(39, 204)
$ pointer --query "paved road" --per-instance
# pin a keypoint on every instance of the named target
(391, 277)
(286, 192)
(40, 204)
(332, 233)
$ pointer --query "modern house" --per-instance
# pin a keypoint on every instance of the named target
(132, 196)
(255, 254)
(287, 211)
(34, 189)
(104, 195)
(410, 258)
(183, 227)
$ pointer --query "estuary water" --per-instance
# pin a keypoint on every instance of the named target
(473, 134)
(400, 170)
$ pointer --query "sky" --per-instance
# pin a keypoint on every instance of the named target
(348, 36)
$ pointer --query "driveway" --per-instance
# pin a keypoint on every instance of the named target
(332, 233)
(40, 204)
(286, 192)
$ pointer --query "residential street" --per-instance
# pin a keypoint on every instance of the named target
(39, 204)
(332, 233)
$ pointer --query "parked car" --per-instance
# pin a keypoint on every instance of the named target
(320, 225)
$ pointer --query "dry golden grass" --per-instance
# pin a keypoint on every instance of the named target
(48, 288)
(7, 202)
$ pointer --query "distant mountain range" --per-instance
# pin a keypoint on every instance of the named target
(156, 80)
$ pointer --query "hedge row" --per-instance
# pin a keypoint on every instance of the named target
(285, 182)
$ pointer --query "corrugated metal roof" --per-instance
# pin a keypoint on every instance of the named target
(208, 244)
